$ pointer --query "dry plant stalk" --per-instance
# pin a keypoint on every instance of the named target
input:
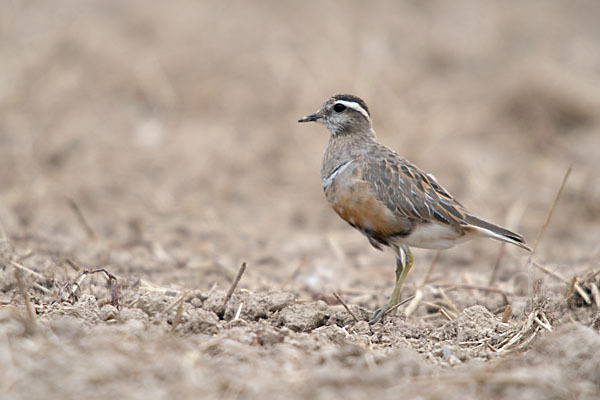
(574, 285)
(545, 226)
(536, 321)
(414, 303)
(447, 300)
(595, 294)
(74, 286)
(32, 272)
(73, 265)
(550, 212)
(512, 221)
(497, 264)
(507, 313)
(28, 270)
(232, 288)
(179, 310)
(449, 287)
(41, 288)
(399, 304)
(81, 218)
(416, 299)
(445, 314)
(587, 289)
(238, 312)
(431, 266)
(582, 292)
(294, 274)
(343, 303)
(30, 325)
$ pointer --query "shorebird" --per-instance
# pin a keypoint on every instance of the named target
(387, 198)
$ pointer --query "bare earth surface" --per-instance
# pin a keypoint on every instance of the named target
(159, 142)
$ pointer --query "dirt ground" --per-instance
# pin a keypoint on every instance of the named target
(159, 142)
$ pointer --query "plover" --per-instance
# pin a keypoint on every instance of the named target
(388, 199)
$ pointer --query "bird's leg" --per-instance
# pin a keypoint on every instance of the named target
(404, 262)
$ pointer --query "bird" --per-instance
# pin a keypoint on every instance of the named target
(387, 198)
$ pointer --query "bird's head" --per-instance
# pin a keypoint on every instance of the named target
(343, 114)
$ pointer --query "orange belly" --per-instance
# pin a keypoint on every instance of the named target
(357, 205)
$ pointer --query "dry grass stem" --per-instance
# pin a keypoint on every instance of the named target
(536, 320)
(497, 264)
(412, 307)
(73, 265)
(447, 299)
(542, 324)
(74, 286)
(238, 312)
(571, 287)
(512, 221)
(399, 304)
(81, 218)
(212, 289)
(335, 246)
(548, 271)
(542, 230)
(25, 256)
(343, 303)
(549, 216)
(152, 287)
(416, 299)
(427, 277)
(593, 275)
(438, 307)
(445, 314)
(467, 280)
(574, 285)
(25, 269)
(30, 324)
(177, 301)
(294, 274)
(233, 286)
(593, 257)
(582, 293)
(41, 288)
(507, 313)
(595, 294)
(370, 361)
(181, 300)
(3, 235)
(449, 287)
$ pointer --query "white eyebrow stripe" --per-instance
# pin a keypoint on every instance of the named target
(355, 106)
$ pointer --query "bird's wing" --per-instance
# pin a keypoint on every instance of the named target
(408, 191)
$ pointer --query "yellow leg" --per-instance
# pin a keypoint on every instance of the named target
(404, 262)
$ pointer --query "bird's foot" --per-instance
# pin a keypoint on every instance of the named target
(378, 315)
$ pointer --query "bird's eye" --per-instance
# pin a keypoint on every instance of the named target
(339, 107)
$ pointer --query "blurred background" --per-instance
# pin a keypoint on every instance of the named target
(172, 129)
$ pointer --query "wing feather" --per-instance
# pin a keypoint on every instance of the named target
(409, 191)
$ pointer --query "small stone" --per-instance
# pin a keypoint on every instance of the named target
(200, 321)
(267, 335)
(109, 312)
(195, 294)
(196, 302)
(280, 300)
(303, 317)
(446, 352)
(362, 328)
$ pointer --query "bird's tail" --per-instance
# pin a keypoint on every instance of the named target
(497, 232)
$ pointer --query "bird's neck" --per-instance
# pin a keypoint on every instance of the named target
(345, 147)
